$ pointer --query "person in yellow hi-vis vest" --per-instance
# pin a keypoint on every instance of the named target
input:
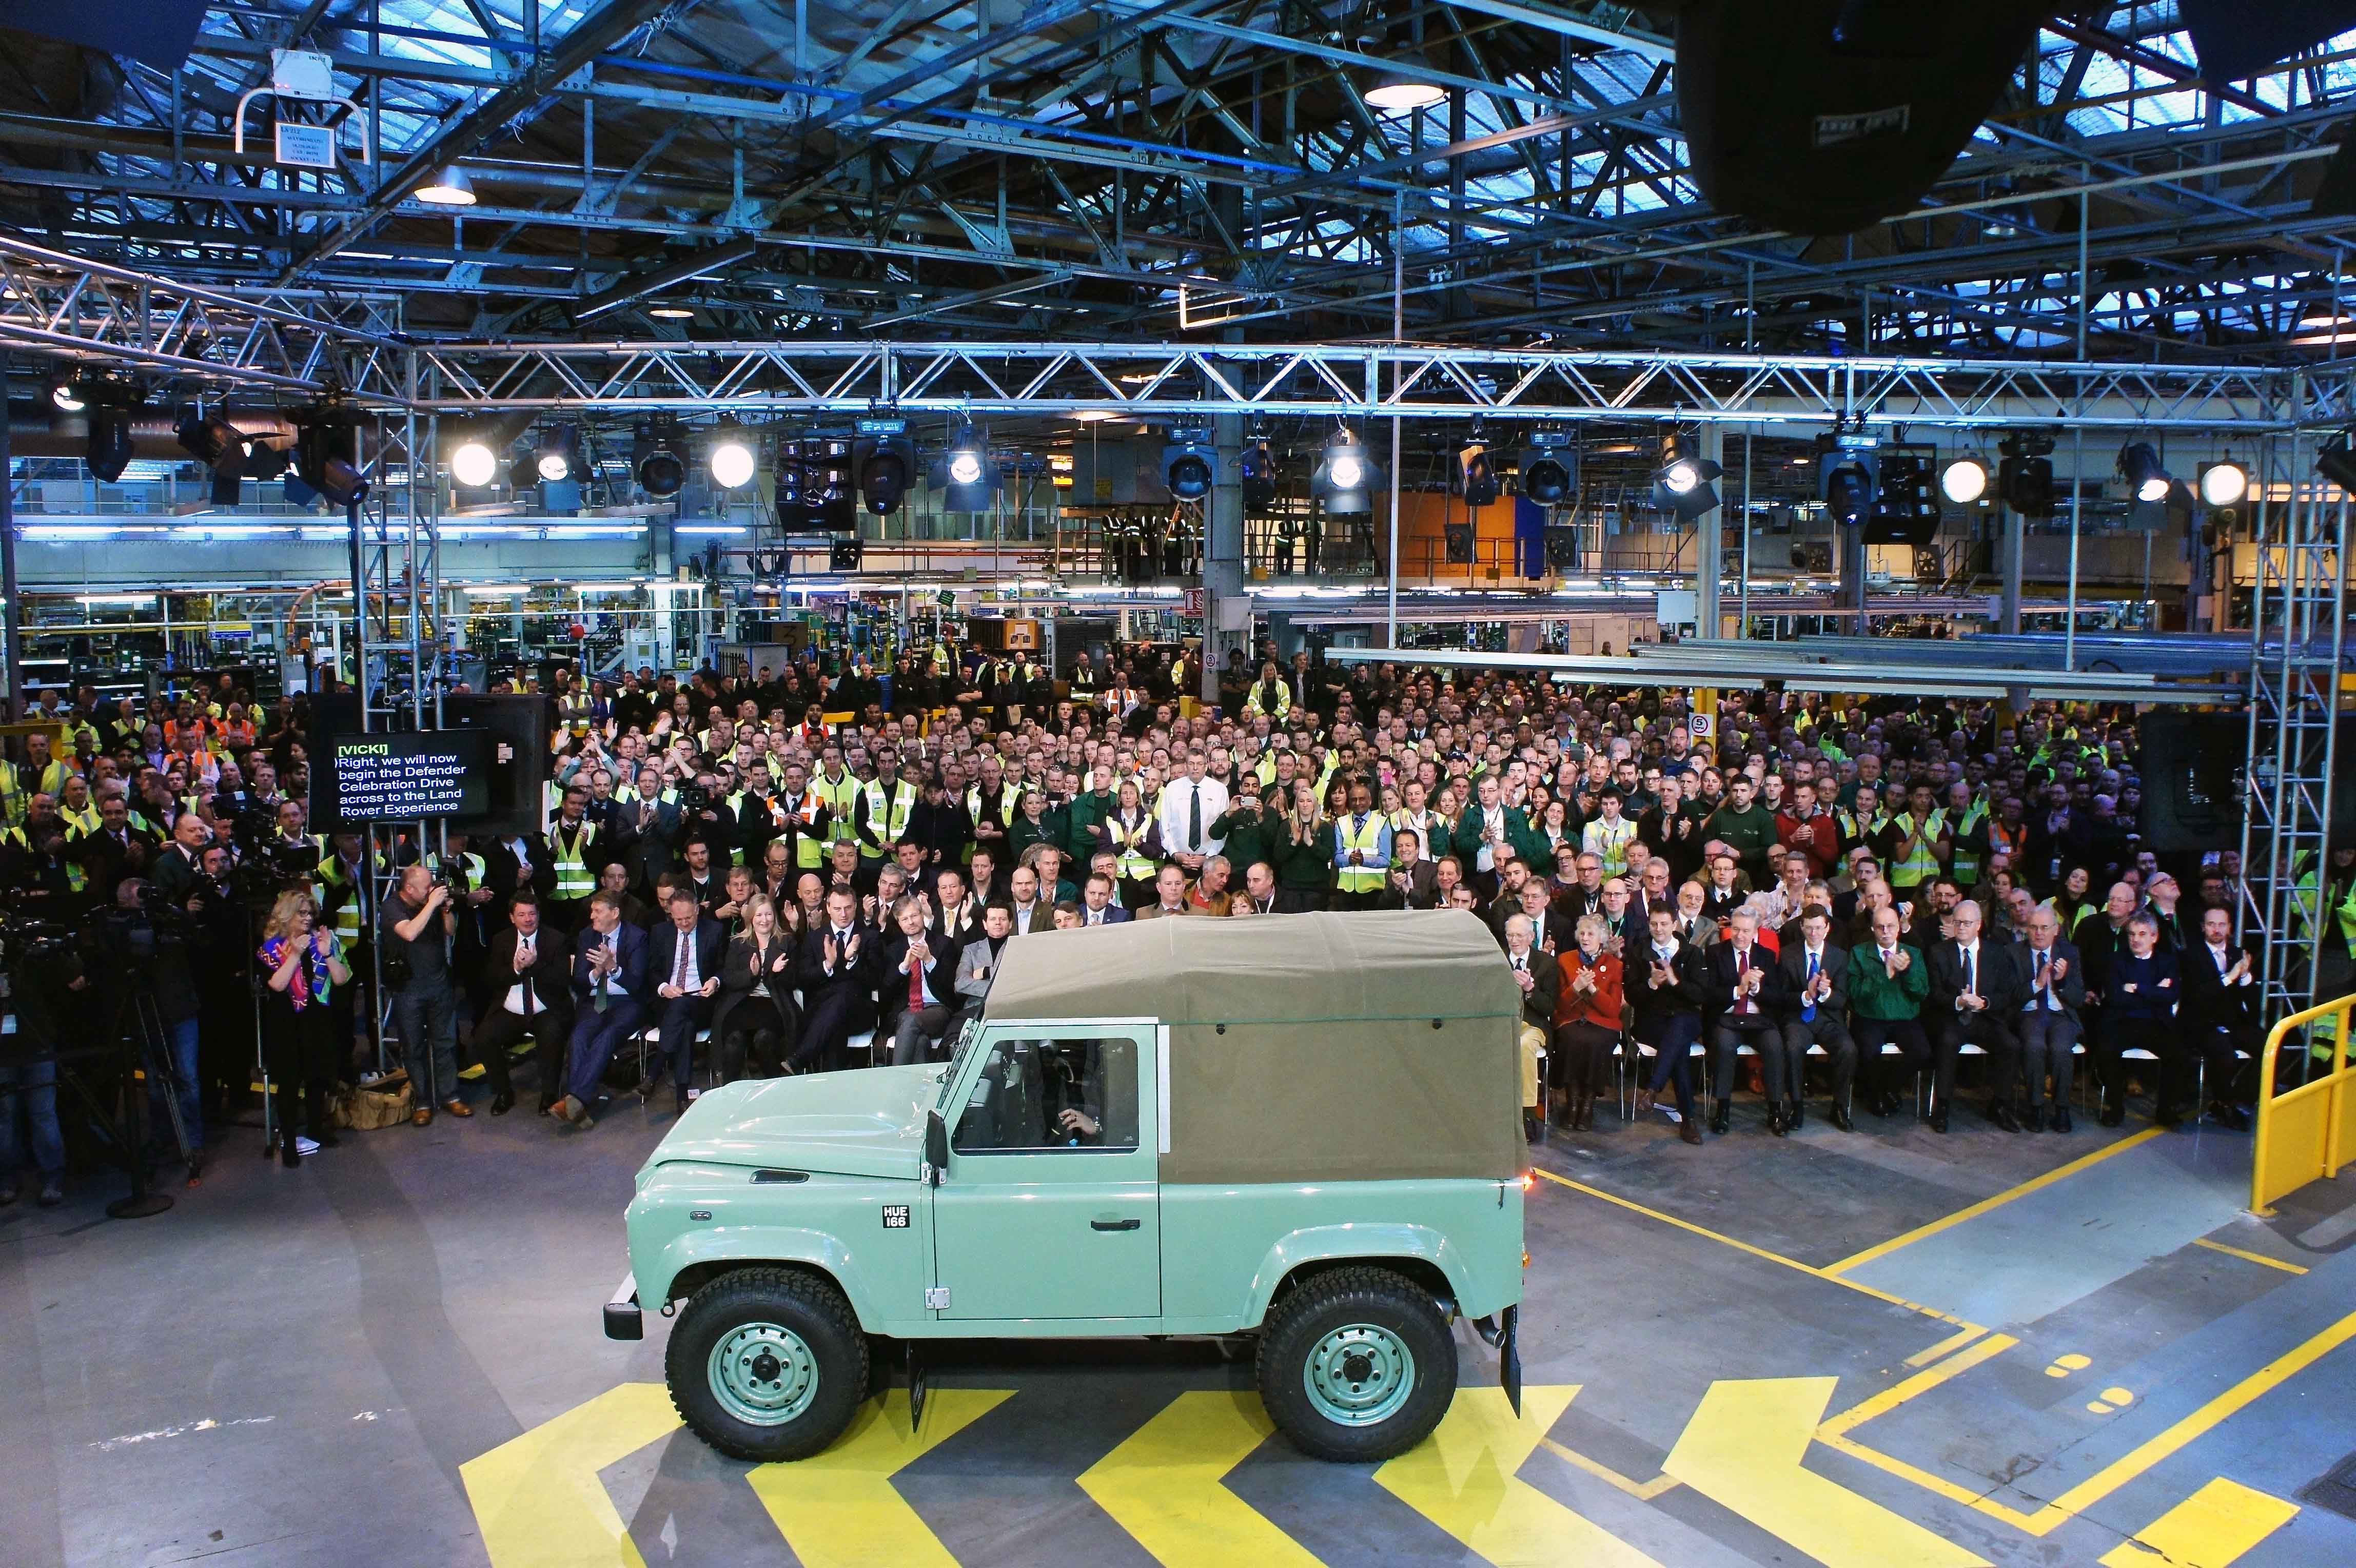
(1362, 851)
(881, 809)
(839, 788)
(570, 846)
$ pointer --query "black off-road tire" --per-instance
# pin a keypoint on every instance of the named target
(815, 1311)
(1331, 1302)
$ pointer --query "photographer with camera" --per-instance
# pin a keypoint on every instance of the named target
(45, 966)
(156, 934)
(414, 927)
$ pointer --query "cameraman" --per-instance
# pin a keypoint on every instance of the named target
(172, 983)
(50, 964)
(414, 925)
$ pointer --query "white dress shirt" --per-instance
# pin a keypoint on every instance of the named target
(528, 949)
(1177, 797)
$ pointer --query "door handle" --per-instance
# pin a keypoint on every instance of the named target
(1115, 1224)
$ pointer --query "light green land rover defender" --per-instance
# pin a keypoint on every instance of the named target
(1308, 1128)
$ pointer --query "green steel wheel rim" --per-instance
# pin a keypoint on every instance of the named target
(763, 1374)
(1359, 1375)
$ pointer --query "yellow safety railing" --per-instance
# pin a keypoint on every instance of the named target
(2306, 1133)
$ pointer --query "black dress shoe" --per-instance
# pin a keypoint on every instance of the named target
(2227, 1116)
(1885, 1104)
(1777, 1123)
(1939, 1120)
(2003, 1117)
(1723, 1120)
(645, 1088)
(1795, 1112)
(2035, 1120)
(2112, 1112)
(1841, 1119)
(502, 1102)
(2061, 1119)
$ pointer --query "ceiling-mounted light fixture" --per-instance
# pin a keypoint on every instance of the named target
(671, 312)
(473, 464)
(2225, 483)
(328, 453)
(1965, 479)
(219, 447)
(1682, 480)
(1395, 93)
(107, 451)
(449, 187)
(1188, 463)
(2147, 477)
(557, 453)
(1548, 467)
(1345, 478)
(66, 397)
(660, 447)
(732, 460)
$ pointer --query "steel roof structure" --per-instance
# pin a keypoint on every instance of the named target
(1107, 170)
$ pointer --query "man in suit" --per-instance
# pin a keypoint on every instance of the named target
(1665, 980)
(1170, 895)
(684, 956)
(2219, 1012)
(609, 992)
(917, 997)
(1099, 901)
(1550, 933)
(1816, 1010)
(524, 971)
(840, 962)
(513, 864)
(1541, 982)
(1744, 989)
(1975, 1000)
(956, 913)
(1412, 882)
(1487, 833)
(2052, 976)
(646, 830)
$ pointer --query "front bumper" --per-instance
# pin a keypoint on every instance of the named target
(623, 1318)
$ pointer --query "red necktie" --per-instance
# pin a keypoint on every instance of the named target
(915, 986)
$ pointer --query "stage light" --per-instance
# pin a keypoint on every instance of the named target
(264, 462)
(107, 448)
(219, 447)
(1547, 467)
(553, 459)
(1187, 464)
(1682, 479)
(731, 461)
(1472, 473)
(2147, 478)
(965, 467)
(884, 473)
(1395, 93)
(966, 474)
(2025, 477)
(670, 312)
(2337, 463)
(1964, 480)
(450, 188)
(1849, 478)
(1259, 469)
(1345, 478)
(2224, 484)
(327, 453)
(66, 397)
(660, 449)
(473, 464)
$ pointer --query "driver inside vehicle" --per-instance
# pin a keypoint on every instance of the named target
(1049, 1094)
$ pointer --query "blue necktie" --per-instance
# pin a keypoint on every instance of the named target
(1809, 1010)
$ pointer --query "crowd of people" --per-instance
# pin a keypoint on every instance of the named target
(819, 867)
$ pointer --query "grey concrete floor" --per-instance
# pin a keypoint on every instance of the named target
(291, 1366)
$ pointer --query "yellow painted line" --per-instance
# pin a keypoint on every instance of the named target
(1704, 1231)
(1743, 1449)
(1642, 1491)
(2035, 1184)
(537, 1497)
(2248, 1257)
(839, 1509)
(1462, 1480)
(1952, 1342)
(2121, 1471)
(2210, 1528)
(1920, 1383)
(1167, 1486)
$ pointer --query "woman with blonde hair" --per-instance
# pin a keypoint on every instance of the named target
(1587, 1019)
(301, 963)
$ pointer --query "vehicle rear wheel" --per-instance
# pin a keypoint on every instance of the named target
(767, 1364)
(1358, 1365)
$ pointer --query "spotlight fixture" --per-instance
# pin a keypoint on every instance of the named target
(2147, 476)
(1473, 472)
(660, 449)
(2337, 463)
(966, 474)
(327, 453)
(1681, 481)
(670, 312)
(66, 397)
(885, 466)
(732, 460)
(1548, 466)
(965, 467)
(219, 447)
(1964, 480)
(473, 460)
(107, 409)
(2025, 476)
(1345, 478)
(449, 187)
(264, 462)
(1188, 462)
(1848, 476)
(2224, 484)
(1395, 93)
(1257, 465)
(556, 454)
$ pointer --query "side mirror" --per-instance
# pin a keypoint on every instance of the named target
(937, 1145)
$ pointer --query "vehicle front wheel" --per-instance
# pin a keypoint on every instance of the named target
(767, 1364)
(1356, 1365)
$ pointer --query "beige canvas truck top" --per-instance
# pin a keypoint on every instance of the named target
(1367, 1047)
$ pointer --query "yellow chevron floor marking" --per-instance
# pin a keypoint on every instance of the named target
(2208, 1530)
(537, 1497)
(1166, 1485)
(1462, 1480)
(1743, 1449)
(839, 1509)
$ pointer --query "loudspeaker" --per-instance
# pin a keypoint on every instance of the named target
(1562, 549)
(1822, 116)
(2192, 779)
(1460, 543)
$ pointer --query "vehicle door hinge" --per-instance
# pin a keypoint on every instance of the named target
(936, 1298)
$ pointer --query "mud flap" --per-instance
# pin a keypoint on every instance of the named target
(1509, 1357)
(916, 1387)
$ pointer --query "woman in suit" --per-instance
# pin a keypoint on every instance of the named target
(1587, 1019)
(756, 1020)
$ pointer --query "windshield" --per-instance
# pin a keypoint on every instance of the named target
(963, 1039)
